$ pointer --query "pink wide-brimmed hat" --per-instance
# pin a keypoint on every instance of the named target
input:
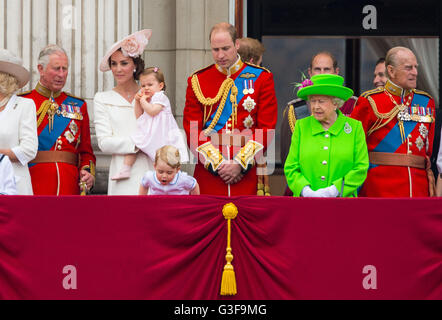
(132, 46)
(13, 65)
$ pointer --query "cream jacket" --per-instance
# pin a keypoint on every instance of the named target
(18, 132)
(115, 122)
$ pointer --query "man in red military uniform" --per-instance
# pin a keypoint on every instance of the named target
(65, 162)
(229, 117)
(399, 124)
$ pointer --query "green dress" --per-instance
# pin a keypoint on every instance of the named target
(320, 157)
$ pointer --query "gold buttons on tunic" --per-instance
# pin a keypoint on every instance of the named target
(324, 163)
(327, 135)
(325, 148)
(322, 178)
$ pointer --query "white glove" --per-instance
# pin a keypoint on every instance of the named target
(329, 192)
(308, 192)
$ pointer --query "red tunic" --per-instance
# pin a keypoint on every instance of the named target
(70, 133)
(397, 181)
(257, 109)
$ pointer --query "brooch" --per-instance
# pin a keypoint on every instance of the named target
(419, 143)
(347, 128)
(423, 130)
(248, 122)
(249, 104)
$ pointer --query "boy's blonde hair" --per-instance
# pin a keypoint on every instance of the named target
(170, 155)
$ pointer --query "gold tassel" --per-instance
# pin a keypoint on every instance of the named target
(83, 188)
(48, 107)
(228, 281)
(402, 130)
(234, 103)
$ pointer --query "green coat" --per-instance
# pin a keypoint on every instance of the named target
(320, 157)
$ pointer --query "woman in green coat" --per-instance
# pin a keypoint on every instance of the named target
(328, 154)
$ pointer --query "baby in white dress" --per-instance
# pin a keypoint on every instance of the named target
(156, 126)
(167, 179)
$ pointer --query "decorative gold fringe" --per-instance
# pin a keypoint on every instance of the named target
(228, 281)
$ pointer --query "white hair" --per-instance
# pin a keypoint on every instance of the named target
(337, 102)
(43, 57)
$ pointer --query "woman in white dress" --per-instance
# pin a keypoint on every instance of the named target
(18, 125)
(114, 115)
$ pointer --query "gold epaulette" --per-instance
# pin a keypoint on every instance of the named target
(291, 117)
(373, 91)
(72, 96)
(202, 69)
(422, 93)
(24, 93)
(256, 66)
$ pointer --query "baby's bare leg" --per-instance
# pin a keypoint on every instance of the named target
(129, 160)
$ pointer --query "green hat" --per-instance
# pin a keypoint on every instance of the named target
(326, 85)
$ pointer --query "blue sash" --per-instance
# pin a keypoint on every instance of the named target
(227, 111)
(392, 141)
(46, 139)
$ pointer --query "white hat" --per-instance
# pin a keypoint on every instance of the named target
(13, 65)
(131, 46)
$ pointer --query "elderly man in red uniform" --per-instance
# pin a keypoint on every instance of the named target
(229, 117)
(399, 124)
(65, 162)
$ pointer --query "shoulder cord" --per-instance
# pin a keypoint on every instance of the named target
(381, 116)
(222, 94)
(291, 117)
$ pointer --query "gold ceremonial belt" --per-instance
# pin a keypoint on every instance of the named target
(56, 156)
(227, 139)
(397, 159)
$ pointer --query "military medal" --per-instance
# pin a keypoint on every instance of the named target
(70, 111)
(249, 104)
(69, 136)
(248, 122)
(423, 131)
(73, 127)
(248, 87)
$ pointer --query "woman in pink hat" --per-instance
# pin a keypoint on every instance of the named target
(18, 127)
(114, 115)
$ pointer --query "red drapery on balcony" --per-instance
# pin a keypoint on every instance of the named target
(174, 247)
